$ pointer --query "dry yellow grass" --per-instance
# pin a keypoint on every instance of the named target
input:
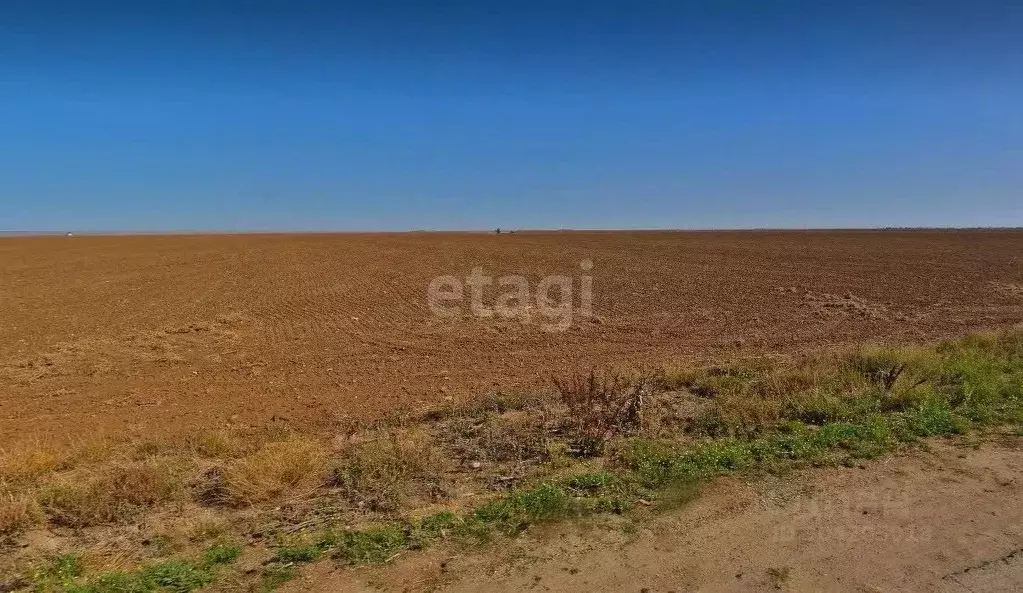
(33, 460)
(102, 482)
(108, 493)
(216, 445)
(292, 466)
(17, 512)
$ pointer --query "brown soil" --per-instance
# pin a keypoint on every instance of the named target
(142, 335)
(949, 520)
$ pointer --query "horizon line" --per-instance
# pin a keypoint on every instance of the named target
(495, 230)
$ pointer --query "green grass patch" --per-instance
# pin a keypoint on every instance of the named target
(275, 575)
(64, 573)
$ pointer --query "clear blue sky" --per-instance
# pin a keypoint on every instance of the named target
(291, 115)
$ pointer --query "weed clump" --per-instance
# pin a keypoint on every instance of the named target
(510, 436)
(17, 512)
(382, 473)
(600, 406)
(275, 469)
(111, 495)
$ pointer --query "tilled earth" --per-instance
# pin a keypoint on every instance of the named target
(143, 335)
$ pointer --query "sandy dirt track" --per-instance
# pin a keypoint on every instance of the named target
(147, 334)
(949, 520)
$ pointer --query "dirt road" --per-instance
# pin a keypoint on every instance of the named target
(945, 521)
(143, 335)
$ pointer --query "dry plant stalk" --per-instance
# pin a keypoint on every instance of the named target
(602, 405)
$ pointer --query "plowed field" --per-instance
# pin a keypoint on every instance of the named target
(128, 335)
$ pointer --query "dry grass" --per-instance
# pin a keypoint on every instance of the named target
(291, 467)
(513, 436)
(28, 463)
(600, 406)
(32, 461)
(17, 513)
(384, 472)
(218, 445)
(108, 494)
(103, 483)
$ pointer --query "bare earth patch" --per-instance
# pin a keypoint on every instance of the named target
(141, 336)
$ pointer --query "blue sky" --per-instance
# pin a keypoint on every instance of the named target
(393, 115)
